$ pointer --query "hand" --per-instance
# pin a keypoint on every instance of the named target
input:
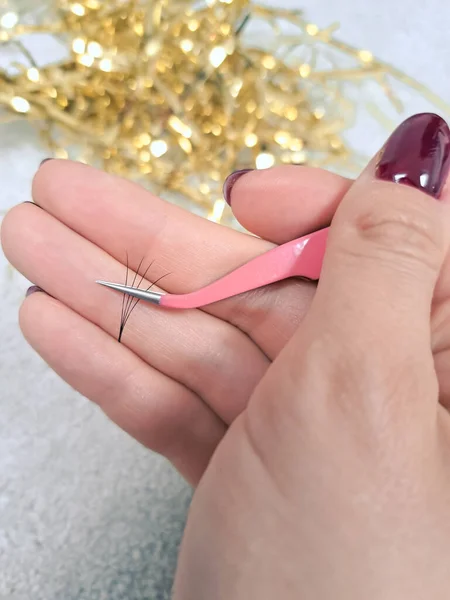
(178, 380)
(334, 482)
(175, 383)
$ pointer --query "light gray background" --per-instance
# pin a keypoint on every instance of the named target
(85, 512)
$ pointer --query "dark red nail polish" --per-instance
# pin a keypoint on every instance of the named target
(418, 154)
(230, 182)
(32, 290)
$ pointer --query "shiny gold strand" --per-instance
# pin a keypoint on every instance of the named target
(176, 95)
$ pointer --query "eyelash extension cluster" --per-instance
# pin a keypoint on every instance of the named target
(128, 302)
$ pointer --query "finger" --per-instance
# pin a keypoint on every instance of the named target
(285, 202)
(386, 248)
(205, 354)
(160, 413)
(119, 216)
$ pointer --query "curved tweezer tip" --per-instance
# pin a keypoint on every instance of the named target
(153, 297)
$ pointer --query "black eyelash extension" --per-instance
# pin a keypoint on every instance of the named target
(126, 304)
(136, 302)
(130, 303)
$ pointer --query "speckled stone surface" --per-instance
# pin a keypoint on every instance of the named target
(85, 512)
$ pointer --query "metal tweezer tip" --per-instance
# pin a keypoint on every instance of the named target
(153, 297)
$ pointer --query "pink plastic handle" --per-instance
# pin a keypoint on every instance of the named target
(299, 258)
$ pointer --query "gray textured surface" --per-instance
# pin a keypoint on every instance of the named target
(85, 512)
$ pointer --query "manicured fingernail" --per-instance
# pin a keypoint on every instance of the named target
(44, 161)
(418, 154)
(230, 182)
(32, 290)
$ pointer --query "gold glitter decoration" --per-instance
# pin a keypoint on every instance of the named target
(177, 94)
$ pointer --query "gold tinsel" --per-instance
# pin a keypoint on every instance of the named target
(177, 94)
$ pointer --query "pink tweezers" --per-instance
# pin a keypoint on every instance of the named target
(300, 258)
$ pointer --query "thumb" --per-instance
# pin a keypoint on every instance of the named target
(387, 244)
